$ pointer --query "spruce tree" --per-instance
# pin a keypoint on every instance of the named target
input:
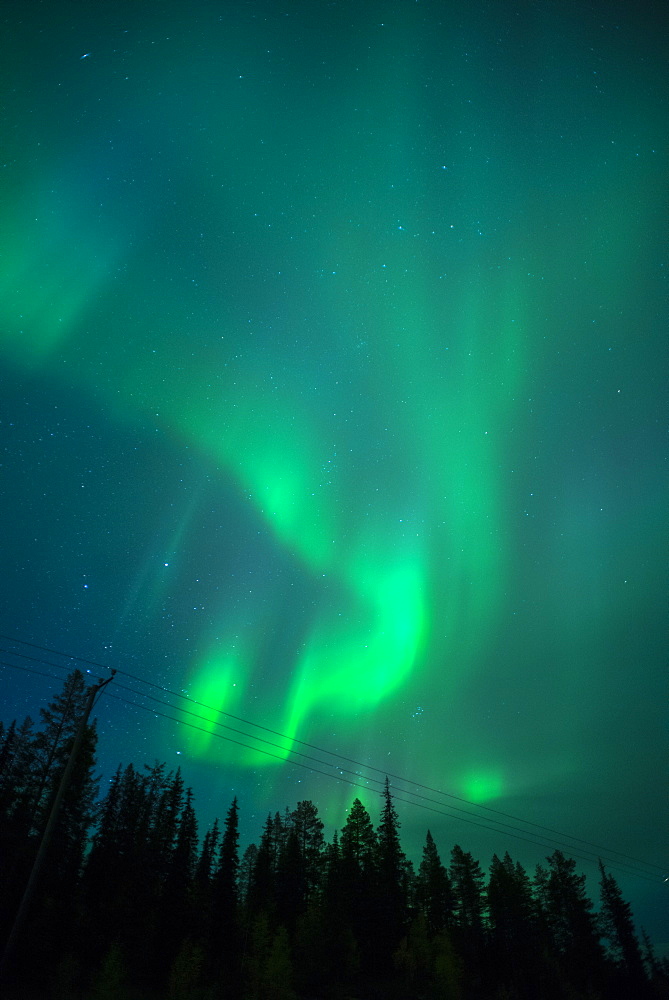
(17, 787)
(205, 863)
(467, 882)
(262, 882)
(514, 940)
(291, 885)
(144, 860)
(203, 875)
(568, 915)
(186, 978)
(52, 743)
(616, 925)
(434, 895)
(164, 823)
(224, 939)
(308, 829)
(334, 908)
(75, 817)
(358, 841)
(359, 888)
(102, 872)
(246, 869)
(391, 885)
(53, 908)
(651, 963)
(226, 877)
(390, 856)
(177, 911)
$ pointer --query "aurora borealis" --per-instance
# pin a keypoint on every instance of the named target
(333, 352)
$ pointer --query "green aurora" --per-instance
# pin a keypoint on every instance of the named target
(332, 337)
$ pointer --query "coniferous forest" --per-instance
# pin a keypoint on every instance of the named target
(135, 901)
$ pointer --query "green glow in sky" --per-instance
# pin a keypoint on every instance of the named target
(217, 688)
(482, 787)
(331, 339)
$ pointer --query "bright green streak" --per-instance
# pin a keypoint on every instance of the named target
(218, 691)
(352, 672)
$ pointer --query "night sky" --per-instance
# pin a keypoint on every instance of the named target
(333, 395)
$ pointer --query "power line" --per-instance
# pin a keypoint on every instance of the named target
(378, 770)
(629, 863)
(28, 670)
(490, 809)
(467, 818)
(343, 770)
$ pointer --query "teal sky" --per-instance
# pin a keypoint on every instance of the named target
(333, 358)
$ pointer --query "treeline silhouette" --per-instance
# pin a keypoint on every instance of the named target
(132, 904)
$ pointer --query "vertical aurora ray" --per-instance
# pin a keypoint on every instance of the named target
(217, 691)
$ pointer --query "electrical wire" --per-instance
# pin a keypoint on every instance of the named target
(570, 847)
(628, 865)
(614, 865)
(546, 841)
(28, 670)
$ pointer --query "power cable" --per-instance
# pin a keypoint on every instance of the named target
(613, 864)
(343, 770)
(341, 757)
(28, 670)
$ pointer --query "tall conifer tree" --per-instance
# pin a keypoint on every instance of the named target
(616, 925)
(391, 875)
(570, 920)
(225, 904)
(434, 896)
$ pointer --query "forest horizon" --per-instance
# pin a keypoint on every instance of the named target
(135, 900)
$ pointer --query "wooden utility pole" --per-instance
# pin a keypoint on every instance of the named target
(29, 890)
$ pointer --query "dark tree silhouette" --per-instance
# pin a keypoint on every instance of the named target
(433, 893)
(224, 933)
(308, 829)
(616, 925)
(137, 909)
(570, 921)
(390, 896)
